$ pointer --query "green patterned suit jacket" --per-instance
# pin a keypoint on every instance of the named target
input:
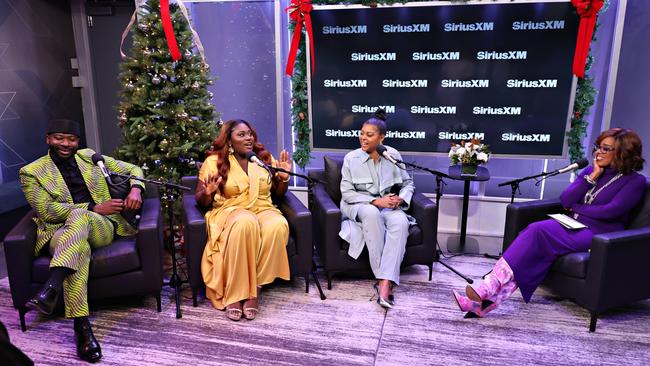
(48, 194)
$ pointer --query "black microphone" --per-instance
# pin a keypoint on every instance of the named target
(252, 157)
(98, 160)
(577, 165)
(381, 149)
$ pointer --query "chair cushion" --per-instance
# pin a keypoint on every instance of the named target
(572, 265)
(641, 214)
(118, 257)
(333, 177)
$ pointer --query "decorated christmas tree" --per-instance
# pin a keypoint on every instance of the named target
(165, 113)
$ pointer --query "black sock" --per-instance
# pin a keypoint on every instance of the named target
(79, 321)
(57, 275)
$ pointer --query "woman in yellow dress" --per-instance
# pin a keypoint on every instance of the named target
(247, 235)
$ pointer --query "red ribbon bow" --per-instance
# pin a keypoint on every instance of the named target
(299, 12)
(169, 30)
(588, 11)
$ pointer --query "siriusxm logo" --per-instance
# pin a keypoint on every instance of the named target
(382, 56)
(336, 83)
(469, 27)
(425, 109)
(461, 135)
(523, 83)
(406, 134)
(510, 111)
(342, 133)
(436, 56)
(549, 24)
(412, 28)
(475, 83)
(415, 83)
(517, 137)
(351, 29)
(493, 55)
(357, 108)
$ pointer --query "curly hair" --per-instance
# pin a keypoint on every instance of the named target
(222, 143)
(627, 149)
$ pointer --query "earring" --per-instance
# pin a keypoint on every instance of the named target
(230, 150)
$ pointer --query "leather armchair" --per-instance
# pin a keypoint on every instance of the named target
(128, 266)
(612, 273)
(333, 251)
(299, 246)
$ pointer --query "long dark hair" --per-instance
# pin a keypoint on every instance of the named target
(222, 142)
(627, 149)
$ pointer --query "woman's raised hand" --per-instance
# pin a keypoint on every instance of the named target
(211, 183)
(284, 162)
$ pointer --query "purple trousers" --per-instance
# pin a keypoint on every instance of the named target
(535, 249)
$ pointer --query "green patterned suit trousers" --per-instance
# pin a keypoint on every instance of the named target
(71, 247)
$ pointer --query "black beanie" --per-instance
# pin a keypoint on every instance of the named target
(64, 126)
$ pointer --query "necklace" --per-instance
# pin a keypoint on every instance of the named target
(590, 196)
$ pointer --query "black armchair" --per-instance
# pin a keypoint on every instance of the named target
(333, 251)
(610, 274)
(299, 247)
(128, 266)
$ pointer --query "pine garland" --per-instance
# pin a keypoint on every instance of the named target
(584, 98)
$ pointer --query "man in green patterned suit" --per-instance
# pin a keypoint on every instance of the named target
(74, 214)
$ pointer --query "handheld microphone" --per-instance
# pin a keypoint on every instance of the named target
(381, 149)
(252, 157)
(577, 165)
(98, 160)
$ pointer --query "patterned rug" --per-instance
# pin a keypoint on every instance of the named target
(295, 328)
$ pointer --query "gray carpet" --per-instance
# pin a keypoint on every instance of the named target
(293, 327)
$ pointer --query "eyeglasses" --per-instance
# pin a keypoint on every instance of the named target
(603, 148)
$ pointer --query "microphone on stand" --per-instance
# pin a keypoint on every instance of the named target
(98, 160)
(253, 158)
(381, 149)
(577, 165)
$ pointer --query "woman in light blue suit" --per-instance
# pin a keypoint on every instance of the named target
(375, 194)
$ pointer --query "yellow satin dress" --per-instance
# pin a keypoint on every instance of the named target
(247, 235)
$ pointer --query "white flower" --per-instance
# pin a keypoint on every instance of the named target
(482, 157)
(461, 151)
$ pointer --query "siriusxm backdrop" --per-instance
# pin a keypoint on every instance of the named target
(499, 72)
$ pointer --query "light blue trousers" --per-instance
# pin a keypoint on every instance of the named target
(385, 232)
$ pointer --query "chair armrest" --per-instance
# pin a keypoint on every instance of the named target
(521, 214)
(149, 242)
(326, 218)
(299, 219)
(425, 212)
(196, 236)
(618, 268)
(19, 253)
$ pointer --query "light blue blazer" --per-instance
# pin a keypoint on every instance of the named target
(362, 181)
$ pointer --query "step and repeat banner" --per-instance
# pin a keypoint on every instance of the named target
(500, 72)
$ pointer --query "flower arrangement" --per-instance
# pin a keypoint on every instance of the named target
(472, 152)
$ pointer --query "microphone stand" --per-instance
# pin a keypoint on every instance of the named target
(439, 183)
(514, 184)
(168, 197)
(310, 184)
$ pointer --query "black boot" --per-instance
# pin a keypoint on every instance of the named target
(87, 346)
(45, 300)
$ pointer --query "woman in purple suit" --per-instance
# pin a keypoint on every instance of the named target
(601, 198)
